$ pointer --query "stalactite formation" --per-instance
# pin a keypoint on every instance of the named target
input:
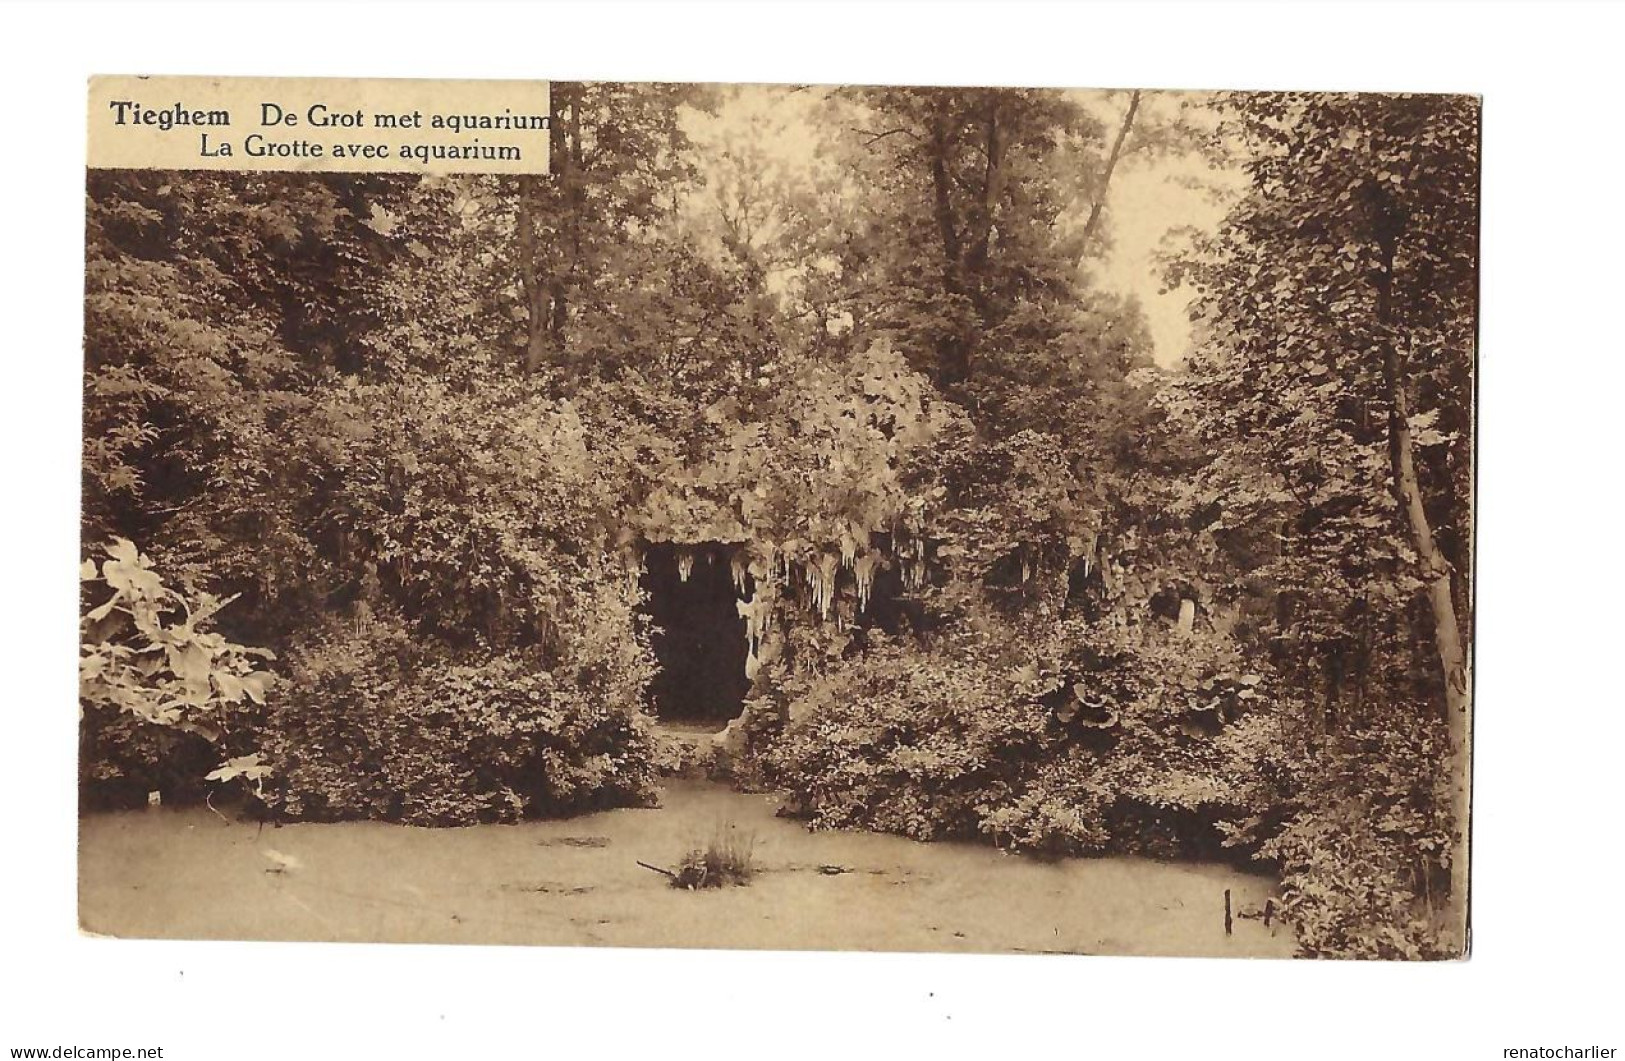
(810, 580)
(821, 580)
(912, 558)
(863, 572)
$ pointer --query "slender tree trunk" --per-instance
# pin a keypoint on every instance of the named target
(547, 283)
(1447, 639)
(1332, 674)
(1099, 204)
(1362, 664)
(570, 176)
(952, 355)
(535, 291)
(1448, 642)
(966, 251)
(994, 176)
(942, 202)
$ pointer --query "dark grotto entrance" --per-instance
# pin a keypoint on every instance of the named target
(699, 638)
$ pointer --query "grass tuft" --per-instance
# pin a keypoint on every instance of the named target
(727, 858)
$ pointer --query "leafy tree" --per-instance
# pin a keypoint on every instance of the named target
(216, 305)
(586, 236)
(1339, 306)
(961, 223)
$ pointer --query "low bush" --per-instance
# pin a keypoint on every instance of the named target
(924, 748)
(370, 729)
(122, 758)
(1364, 856)
(1060, 740)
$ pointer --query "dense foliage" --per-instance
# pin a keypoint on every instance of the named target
(1062, 739)
(1340, 303)
(1001, 575)
(1371, 833)
(160, 689)
(371, 731)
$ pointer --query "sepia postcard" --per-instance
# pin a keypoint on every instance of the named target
(778, 516)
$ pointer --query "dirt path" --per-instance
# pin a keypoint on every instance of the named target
(185, 874)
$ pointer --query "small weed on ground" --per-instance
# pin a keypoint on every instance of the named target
(725, 859)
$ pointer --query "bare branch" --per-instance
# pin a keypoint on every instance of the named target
(875, 137)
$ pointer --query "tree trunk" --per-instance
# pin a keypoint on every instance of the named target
(571, 174)
(952, 353)
(994, 175)
(1111, 165)
(1448, 642)
(984, 212)
(1447, 638)
(535, 291)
